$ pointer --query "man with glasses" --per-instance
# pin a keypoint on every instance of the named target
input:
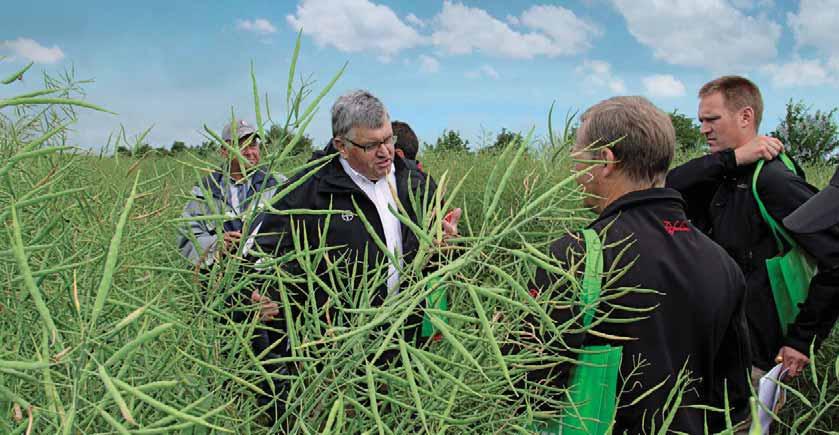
(359, 184)
(228, 192)
(365, 171)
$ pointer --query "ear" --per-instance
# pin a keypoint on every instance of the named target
(339, 144)
(747, 117)
(609, 162)
(399, 153)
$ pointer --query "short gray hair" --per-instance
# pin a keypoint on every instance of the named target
(642, 136)
(357, 108)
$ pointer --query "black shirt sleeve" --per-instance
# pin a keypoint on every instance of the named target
(697, 179)
(782, 193)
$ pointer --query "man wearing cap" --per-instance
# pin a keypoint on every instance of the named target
(229, 192)
(718, 191)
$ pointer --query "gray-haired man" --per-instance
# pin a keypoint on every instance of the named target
(363, 171)
(366, 171)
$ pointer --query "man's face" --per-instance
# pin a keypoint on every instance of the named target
(720, 126)
(249, 147)
(375, 162)
(582, 156)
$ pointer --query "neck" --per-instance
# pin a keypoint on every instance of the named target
(746, 138)
(623, 188)
(235, 171)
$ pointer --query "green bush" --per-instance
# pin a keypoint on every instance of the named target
(278, 137)
(809, 137)
(688, 136)
(450, 142)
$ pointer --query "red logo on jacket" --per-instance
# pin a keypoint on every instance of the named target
(673, 227)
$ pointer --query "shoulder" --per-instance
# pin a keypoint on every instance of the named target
(568, 247)
(300, 189)
(776, 178)
(409, 169)
(210, 184)
(774, 171)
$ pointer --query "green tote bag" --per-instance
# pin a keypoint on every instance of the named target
(789, 274)
(594, 381)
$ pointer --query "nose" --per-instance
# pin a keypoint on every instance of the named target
(250, 151)
(384, 150)
(705, 128)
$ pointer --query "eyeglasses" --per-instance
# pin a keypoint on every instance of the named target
(372, 145)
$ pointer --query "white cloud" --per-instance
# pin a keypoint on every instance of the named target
(415, 20)
(598, 74)
(815, 25)
(484, 71)
(31, 50)
(513, 20)
(801, 73)
(555, 31)
(570, 34)
(429, 64)
(260, 26)
(711, 33)
(354, 25)
(663, 85)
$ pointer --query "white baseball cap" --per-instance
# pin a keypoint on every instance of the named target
(243, 129)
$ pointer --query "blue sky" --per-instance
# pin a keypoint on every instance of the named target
(472, 66)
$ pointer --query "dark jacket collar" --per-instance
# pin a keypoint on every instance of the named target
(334, 179)
(658, 196)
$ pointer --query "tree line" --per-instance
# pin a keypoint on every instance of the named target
(809, 135)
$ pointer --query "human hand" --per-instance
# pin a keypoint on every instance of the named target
(268, 309)
(450, 223)
(793, 360)
(231, 239)
(761, 147)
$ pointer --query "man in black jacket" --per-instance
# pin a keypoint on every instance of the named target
(694, 319)
(358, 179)
(718, 190)
(364, 172)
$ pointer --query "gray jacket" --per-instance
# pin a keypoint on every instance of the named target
(217, 195)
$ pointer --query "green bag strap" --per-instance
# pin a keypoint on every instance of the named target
(591, 277)
(777, 230)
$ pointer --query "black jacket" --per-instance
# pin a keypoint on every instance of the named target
(331, 187)
(721, 202)
(697, 321)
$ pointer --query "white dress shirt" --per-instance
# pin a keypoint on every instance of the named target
(379, 192)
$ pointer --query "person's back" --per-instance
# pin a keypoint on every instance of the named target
(670, 297)
(695, 319)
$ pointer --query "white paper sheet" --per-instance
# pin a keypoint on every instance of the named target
(771, 395)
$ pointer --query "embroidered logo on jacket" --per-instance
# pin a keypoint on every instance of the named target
(347, 217)
(673, 227)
